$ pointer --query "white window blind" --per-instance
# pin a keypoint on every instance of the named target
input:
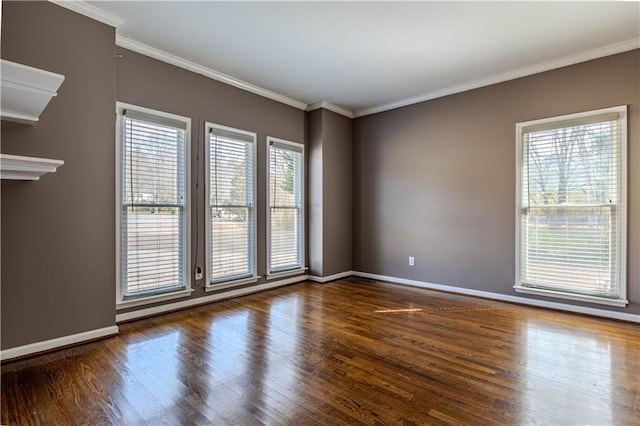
(231, 195)
(153, 200)
(572, 211)
(286, 214)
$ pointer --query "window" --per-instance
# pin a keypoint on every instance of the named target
(231, 219)
(571, 224)
(285, 215)
(153, 204)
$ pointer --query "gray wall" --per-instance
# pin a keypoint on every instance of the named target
(143, 81)
(436, 180)
(58, 233)
(337, 197)
(314, 205)
(330, 193)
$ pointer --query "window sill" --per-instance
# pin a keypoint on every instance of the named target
(282, 274)
(124, 304)
(571, 296)
(231, 284)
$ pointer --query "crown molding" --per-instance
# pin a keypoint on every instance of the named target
(90, 11)
(511, 75)
(169, 58)
(331, 107)
(98, 14)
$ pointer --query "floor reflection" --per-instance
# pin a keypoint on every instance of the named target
(253, 355)
(154, 362)
(563, 367)
(343, 353)
(228, 361)
(228, 344)
(282, 364)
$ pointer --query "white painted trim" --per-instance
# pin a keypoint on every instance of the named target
(115, 21)
(162, 297)
(621, 206)
(90, 11)
(26, 91)
(330, 277)
(127, 316)
(18, 167)
(231, 284)
(274, 275)
(208, 127)
(589, 55)
(47, 345)
(179, 62)
(120, 107)
(623, 200)
(504, 297)
(285, 142)
(621, 303)
(287, 273)
(98, 14)
(331, 107)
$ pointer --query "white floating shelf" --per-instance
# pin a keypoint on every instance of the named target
(26, 91)
(17, 167)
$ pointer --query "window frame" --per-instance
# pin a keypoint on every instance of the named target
(123, 301)
(621, 209)
(232, 282)
(302, 268)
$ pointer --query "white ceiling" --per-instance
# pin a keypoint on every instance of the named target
(371, 56)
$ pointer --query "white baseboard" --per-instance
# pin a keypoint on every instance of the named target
(330, 277)
(506, 298)
(141, 313)
(73, 339)
(59, 342)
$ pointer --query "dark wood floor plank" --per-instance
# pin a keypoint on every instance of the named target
(344, 353)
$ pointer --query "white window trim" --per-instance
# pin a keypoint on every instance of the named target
(139, 301)
(122, 303)
(303, 268)
(235, 282)
(621, 301)
(226, 285)
(287, 273)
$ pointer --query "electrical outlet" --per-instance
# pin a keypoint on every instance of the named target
(198, 273)
(411, 261)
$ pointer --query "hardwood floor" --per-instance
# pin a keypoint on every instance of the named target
(343, 353)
